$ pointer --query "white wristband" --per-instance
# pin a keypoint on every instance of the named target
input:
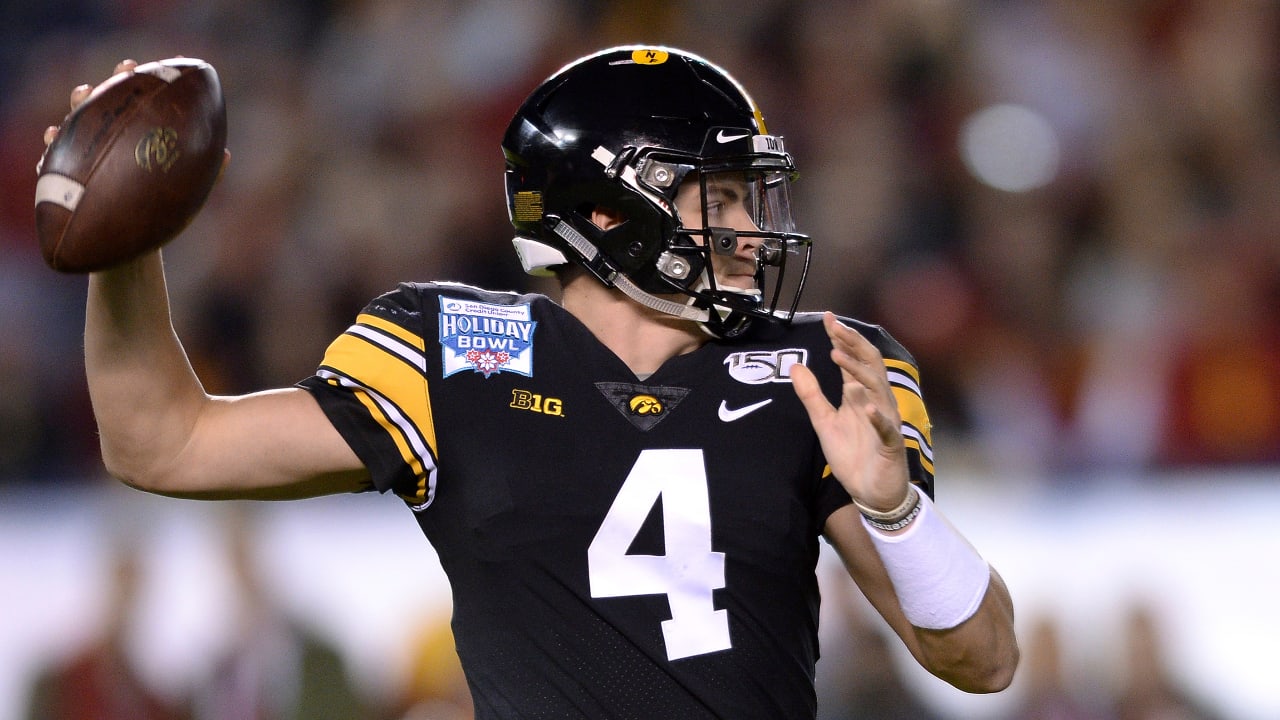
(939, 578)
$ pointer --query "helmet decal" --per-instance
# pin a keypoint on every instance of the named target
(649, 56)
(526, 206)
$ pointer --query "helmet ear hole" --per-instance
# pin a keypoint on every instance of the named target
(603, 216)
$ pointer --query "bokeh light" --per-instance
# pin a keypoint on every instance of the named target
(1010, 147)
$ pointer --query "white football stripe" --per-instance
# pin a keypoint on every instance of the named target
(59, 190)
(166, 73)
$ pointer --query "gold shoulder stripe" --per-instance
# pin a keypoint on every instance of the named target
(924, 452)
(410, 443)
(405, 336)
(905, 367)
(927, 464)
(380, 369)
(913, 412)
(402, 441)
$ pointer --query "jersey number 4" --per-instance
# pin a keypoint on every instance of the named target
(688, 572)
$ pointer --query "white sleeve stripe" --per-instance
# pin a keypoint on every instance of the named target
(904, 380)
(417, 442)
(391, 344)
(914, 434)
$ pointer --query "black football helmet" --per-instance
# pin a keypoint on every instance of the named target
(623, 129)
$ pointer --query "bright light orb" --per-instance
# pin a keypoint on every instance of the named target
(1010, 148)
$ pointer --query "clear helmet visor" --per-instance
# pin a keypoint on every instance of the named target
(742, 218)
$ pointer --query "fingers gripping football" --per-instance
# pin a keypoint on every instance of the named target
(862, 438)
(79, 94)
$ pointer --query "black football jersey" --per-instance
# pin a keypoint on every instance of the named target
(616, 547)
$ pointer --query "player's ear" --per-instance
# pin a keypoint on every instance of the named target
(606, 218)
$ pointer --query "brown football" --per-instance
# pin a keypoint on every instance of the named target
(131, 166)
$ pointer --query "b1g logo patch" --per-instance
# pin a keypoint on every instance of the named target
(486, 338)
(757, 367)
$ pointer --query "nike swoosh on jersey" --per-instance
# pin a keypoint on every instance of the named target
(728, 415)
(722, 138)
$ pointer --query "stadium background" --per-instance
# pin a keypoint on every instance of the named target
(1067, 209)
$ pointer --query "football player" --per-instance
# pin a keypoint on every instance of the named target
(628, 488)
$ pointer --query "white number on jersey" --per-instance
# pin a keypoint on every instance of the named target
(689, 571)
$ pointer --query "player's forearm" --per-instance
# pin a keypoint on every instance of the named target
(981, 654)
(145, 395)
(951, 609)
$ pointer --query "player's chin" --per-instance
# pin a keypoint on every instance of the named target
(737, 283)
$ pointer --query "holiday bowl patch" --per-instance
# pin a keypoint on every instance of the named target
(486, 338)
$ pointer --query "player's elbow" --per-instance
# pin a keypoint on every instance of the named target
(136, 468)
(131, 474)
(990, 677)
(990, 670)
(158, 484)
(981, 654)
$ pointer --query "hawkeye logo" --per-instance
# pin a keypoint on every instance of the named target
(646, 405)
(533, 402)
(642, 405)
(486, 338)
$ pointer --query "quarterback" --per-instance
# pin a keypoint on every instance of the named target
(627, 487)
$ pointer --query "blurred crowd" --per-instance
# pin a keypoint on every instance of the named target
(1090, 290)
(272, 663)
(863, 674)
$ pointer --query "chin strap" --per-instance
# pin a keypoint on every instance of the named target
(684, 312)
(594, 262)
(724, 321)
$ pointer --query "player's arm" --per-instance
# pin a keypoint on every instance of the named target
(161, 432)
(158, 428)
(977, 655)
(939, 595)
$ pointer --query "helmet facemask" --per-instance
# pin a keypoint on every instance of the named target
(717, 205)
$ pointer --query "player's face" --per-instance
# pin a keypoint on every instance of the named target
(729, 203)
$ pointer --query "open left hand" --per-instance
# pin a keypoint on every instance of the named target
(862, 438)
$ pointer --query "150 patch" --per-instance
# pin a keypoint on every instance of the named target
(757, 367)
